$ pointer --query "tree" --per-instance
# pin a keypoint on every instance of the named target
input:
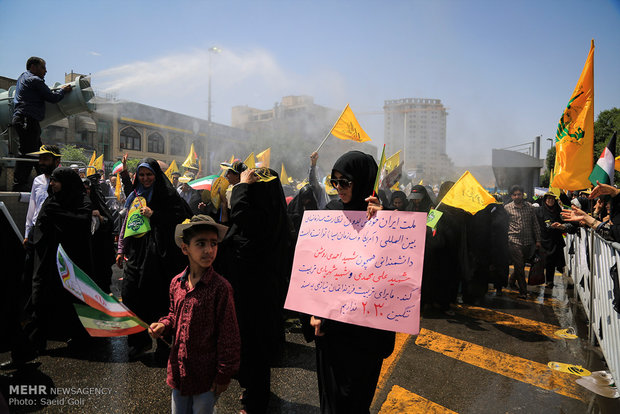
(72, 154)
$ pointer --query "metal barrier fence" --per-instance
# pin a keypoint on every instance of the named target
(589, 260)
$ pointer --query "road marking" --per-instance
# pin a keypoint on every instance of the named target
(399, 401)
(510, 366)
(501, 318)
(390, 362)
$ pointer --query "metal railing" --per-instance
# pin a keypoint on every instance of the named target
(589, 260)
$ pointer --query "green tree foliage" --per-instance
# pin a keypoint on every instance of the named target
(72, 154)
(132, 164)
(605, 124)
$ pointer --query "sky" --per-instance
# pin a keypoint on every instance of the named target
(504, 70)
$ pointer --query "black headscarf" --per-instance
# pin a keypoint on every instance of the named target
(361, 169)
(72, 192)
(402, 196)
(304, 200)
(425, 203)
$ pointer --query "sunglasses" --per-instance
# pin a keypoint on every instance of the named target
(342, 182)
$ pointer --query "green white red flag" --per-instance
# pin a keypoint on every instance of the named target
(98, 323)
(82, 287)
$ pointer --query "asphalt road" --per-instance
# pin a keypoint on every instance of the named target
(489, 358)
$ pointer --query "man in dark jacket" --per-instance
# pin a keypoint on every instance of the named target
(31, 93)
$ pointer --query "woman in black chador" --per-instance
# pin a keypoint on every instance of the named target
(349, 357)
(153, 259)
(551, 229)
(65, 218)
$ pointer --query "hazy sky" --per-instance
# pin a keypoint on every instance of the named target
(504, 69)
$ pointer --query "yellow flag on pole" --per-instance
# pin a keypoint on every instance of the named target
(468, 194)
(392, 162)
(172, 169)
(250, 161)
(98, 163)
(284, 178)
(90, 170)
(574, 139)
(347, 127)
(118, 188)
(264, 157)
(192, 157)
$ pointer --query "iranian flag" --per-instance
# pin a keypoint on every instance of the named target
(117, 168)
(104, 312)
(603, 171)
(203, 183)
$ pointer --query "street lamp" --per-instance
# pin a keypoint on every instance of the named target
(212, 50)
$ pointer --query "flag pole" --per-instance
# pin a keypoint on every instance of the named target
(332, 128)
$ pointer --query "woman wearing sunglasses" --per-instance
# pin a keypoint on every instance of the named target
(349, 357)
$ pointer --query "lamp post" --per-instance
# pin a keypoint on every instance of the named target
(211, 51)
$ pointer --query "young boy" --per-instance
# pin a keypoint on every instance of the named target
(206, 349)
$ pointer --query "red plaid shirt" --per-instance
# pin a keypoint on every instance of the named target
(206, 346)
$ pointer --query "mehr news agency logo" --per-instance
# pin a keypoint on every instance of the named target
(30, 395)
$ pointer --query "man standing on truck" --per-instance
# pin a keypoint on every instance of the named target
(31, 93)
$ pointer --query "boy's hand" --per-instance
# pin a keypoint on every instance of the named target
(219, 388)
(156, 329)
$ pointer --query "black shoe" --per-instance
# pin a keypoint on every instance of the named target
(12, 364)
(498, 292)
(135, 352)
(522, 296)
(549, 285)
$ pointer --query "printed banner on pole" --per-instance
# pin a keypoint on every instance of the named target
(359, 271)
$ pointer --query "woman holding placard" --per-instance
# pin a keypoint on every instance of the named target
(146, 248)
(349, 357)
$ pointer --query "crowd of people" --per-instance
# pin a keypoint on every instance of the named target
(210, 272)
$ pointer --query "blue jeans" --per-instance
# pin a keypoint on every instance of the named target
(193, 404)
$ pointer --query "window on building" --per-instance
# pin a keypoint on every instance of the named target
(130, 139)
(177, 146)
(155, 143)
(199, 148)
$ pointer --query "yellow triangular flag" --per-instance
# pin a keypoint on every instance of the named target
(117, 190)
(468, 194)
(224, 169)
(192, 157)
(421, 182)
(172, 169)
(395, 187)
(284, 179)
(574, 139)
(555, 191)
(392, 162)
(264, 158)
(347, 127)
(90, 170)
(250, 161)
(99, 163)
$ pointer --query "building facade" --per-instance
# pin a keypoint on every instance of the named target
(417, 127)
(294, 128)
(119, 127)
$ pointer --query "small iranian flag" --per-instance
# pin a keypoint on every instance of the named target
(112, 315)
(603, 171)
(117, 168)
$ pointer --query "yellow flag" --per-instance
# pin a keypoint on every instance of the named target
(284, 179)
(264, 157)
(468, 194)
(89, 168)
(250, 161)
(392, 162)
(192, 157)
(172, 169)
(117, 190)
(347, 127)
(98, 163)
(574, 139)
(224, 169)
(421, 182)
(395, 187)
